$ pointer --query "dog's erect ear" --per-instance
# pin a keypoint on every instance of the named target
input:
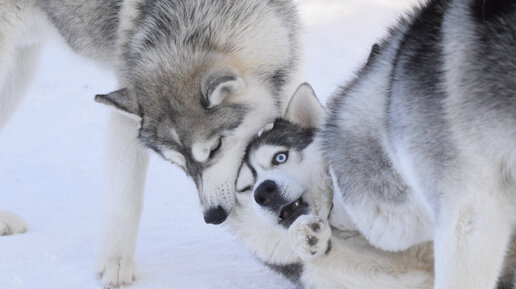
(245, 178)
(221, 87)
(304, 108)
(121, 99)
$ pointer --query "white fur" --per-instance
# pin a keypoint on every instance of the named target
(201, 149)
(219, 179)
(20, 23)
(304, 109)
(354, 264)
(11, 223)
(224, 90)
(19, 49)
(308, 242)
(469, 208)
(480, 202)
(269, 243)
(127, 165)
(351, 262)
(175, 157)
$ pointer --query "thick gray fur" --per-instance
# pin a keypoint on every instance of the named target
(197, 79)
(427, 130)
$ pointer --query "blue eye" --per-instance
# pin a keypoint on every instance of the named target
(280, 158)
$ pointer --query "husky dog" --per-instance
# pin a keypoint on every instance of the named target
(422, 144)
(197, 80)
(283, 207)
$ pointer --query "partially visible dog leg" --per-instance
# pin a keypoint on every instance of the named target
(17, 67)
(471, 240)
(351, 262)
(123, 203)
(11, 223)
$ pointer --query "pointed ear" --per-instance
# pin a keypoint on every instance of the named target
(304, 108)
(221, 87)
(245, 178)
(121, 99)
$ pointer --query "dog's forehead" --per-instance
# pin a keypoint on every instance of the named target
(262, 156)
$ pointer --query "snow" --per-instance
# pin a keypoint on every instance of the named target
(51, 163)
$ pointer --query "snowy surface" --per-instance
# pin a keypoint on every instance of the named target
(51, 163)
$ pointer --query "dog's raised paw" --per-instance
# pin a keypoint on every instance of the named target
(11, 223)
(117, 273)
(310, 237)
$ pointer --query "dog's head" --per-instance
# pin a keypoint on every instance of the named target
(282, 164)
(203, 80)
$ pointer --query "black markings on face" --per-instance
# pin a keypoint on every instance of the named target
(284, 134)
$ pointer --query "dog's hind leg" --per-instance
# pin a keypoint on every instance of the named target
(471, 239)
(16, 69)
(11, 223)
(123, 202)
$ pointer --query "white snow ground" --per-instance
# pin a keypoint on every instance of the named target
(51, 163)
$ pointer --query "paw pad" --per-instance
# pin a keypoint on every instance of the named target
(312, 240)
(310, 236)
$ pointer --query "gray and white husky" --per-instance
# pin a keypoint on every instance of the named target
(422, 144)
(283, 214)
(197, 80)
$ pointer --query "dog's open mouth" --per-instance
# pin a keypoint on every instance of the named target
(289, 213)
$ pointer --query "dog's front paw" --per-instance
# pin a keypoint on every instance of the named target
(117, 272)
(11, 223)
(310, 237)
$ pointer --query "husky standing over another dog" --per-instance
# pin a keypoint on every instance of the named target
(422, 144)
(198, 79)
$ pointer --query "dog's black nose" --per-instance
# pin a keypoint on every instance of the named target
(266, 193)
(215, 216)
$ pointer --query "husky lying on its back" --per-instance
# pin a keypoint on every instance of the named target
(422, 145)
(282, 211)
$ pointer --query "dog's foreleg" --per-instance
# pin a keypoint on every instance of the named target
(471, 239)
(123, 203)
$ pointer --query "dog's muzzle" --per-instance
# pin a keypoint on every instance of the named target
(215, 216)
(266, 195)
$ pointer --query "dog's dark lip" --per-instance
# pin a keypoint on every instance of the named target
(289, 213)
